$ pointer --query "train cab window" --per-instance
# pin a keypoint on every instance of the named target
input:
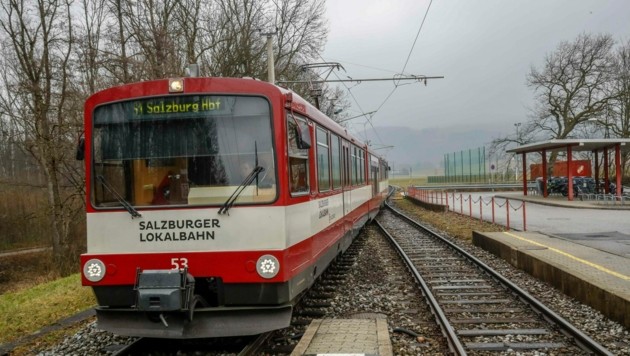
(298, 157)
(323, 160)
(183, 150)
(335, 161)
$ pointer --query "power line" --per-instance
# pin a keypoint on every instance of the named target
(351, 80)
(368, 116)
(408, 57)
(417, 35)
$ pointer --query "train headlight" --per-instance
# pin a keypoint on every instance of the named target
(175, 85)
(267, 266)
(94, 270)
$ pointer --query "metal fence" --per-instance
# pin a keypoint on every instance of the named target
(466, 166)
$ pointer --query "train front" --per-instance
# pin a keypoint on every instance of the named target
(184, 230)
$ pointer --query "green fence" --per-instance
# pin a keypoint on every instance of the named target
(466, 166)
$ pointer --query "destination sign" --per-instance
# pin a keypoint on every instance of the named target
(180, 107)
(159, 107)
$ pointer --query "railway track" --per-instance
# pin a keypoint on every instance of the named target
(477, 309)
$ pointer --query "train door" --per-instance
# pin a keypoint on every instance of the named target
(374, 175)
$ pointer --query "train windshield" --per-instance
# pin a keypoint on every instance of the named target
(182, 150)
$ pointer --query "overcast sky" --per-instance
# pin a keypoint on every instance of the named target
(483, 48)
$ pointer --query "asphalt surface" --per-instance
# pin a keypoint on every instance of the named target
(555, 216)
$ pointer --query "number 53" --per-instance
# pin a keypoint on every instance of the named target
(179, 263)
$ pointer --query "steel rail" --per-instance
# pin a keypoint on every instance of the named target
(253, 348)
(448, 331)
(580, 338)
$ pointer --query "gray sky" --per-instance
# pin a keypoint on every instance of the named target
(483, 48)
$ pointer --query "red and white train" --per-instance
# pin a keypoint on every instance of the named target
(213, 203)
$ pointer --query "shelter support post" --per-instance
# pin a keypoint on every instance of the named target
(569, 173)
(596, 156)
(618, 169)
(524, 159)
(544, 169)
(606, 179)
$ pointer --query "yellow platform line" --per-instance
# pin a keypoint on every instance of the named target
(588, 263)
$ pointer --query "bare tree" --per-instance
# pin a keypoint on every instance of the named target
(153, 26)
(117, 38)
(193, 35)
(89, 42)
(571, 88)
(302, 34)
(37, 48)
(619, 106)
(239, 48)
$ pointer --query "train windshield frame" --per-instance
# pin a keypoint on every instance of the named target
(186, 150)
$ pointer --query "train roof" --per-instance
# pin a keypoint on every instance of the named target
(159, 87)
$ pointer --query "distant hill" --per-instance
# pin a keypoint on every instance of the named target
(423, 150)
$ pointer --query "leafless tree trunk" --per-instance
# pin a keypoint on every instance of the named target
(89, 42)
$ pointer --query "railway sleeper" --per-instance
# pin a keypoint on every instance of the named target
(501, 332)
(505, 346)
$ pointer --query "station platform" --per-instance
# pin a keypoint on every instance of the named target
(593, 269)
(345, 337)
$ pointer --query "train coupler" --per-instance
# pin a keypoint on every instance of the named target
(164, 291)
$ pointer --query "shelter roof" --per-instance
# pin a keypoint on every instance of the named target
(577, 145)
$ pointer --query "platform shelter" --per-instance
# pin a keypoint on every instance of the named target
(597, 146)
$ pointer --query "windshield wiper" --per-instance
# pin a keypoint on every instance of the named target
(134, 213)
(247, 181)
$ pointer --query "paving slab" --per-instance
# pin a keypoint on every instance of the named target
(330, 337)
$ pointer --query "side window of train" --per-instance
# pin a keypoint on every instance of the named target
(335, 161)
(346, 164)
(323, 160)
(361, 166)
(355, 166)
(298, 146)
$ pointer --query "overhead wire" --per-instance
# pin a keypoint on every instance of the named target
(396, 84)
(367, 117)
(417, 35)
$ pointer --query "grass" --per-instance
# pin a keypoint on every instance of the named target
(453, 224)
(404, 182)
(28, 310)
